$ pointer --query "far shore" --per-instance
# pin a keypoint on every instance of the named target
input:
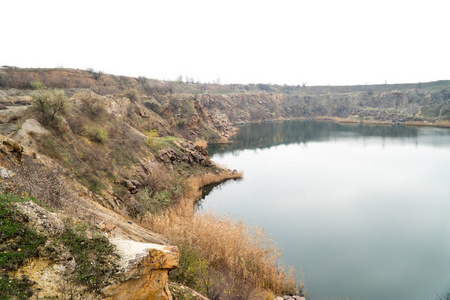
(441, 124)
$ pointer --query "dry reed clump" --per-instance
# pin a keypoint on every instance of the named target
(336, 119)
(445, 124)
(201, 143)
(209, 178)
(417, 123)
(246, 254)
(246, 258)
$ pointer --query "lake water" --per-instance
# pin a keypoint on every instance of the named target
(363, 210)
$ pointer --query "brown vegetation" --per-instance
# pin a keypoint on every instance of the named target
(233, 258)
(418, 123)
(31, 179)
(201, 143)
(445, 124)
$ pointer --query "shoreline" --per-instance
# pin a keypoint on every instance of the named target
(437, 124)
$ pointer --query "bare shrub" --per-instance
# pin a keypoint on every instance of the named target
(76, 124)
(35, 180)
(95, 74)
(156, 87)
(132, 94)
(154, 176)
(153, 105)
(92, 105)
(2, 80)
(49, 106)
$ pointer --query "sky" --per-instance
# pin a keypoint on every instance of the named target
(312, 42)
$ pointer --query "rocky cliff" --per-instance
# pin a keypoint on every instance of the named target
(108, 150)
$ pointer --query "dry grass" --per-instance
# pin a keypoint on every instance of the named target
(445, 124)
(336, 119)
(247, 255)
(376, 122)
(208, 178)
(417, 123)
(352, 121)
(202, 143)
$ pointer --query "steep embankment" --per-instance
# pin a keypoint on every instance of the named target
(99, 160)
(112, 150)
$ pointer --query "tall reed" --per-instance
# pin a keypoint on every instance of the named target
(245, 253)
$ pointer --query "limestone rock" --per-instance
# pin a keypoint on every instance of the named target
(144, 271)
(191, 155)
(12, 113)
(107, 227)
(41, 219)
(168, 155)
(30, 129)
(32, 126)
(290, 297)
(8, 146)
(46, 274)
(15, 146)
(5, 173)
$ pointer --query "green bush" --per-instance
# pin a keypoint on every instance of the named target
(92, 106)
(96, 134)
(192, 267)
(151, 135)
(153, 105)
(95, 257)
(132, 94)
(18, 244)
(50, 106)
(15, 288)
(153, 201)
(2, 80)
(180, 123)
(37, 85)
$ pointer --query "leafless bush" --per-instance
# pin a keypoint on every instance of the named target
(158, 88)
(2, 80)
(132, 94)
(154, 176)
(153, 105)
(49, 106)
(92, 106)
(17, 79)
(76, 124)
(32, 179)
(95, 74)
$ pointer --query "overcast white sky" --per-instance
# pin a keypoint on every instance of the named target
(318, 42)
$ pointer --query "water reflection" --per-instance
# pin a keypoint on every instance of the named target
(269, 134)
(362, 209)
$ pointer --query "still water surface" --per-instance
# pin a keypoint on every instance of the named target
(363, 210)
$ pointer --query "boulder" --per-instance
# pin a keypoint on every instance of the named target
(41, 219)
(15, 146)
(168, 155)
(144, 270)
(107, 227)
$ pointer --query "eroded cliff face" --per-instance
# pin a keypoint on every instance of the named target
(143, 265)
(143, 268)
(144, 271)
(114, 145)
